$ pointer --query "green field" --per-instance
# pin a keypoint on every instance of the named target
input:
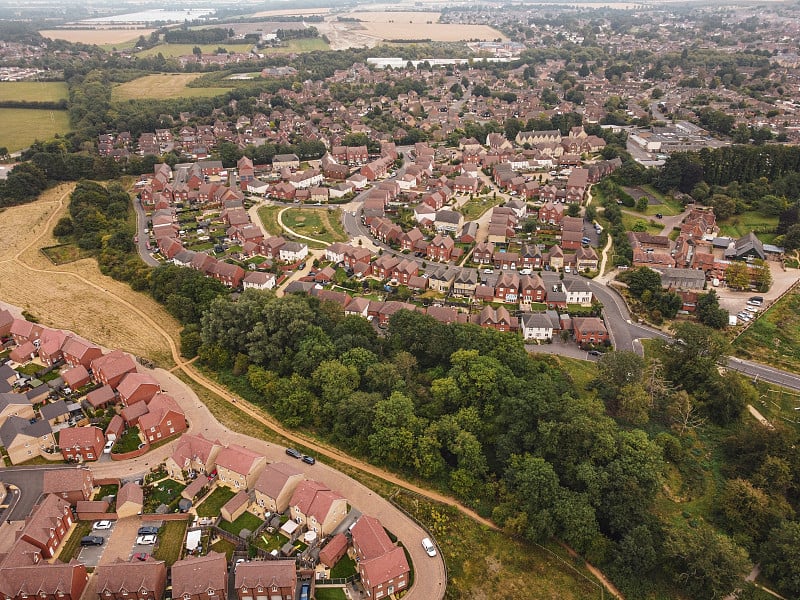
(318, 223)
(23, 126)
(33, 91)
(269, 219)
(175, 50)
(302, 45)
(162, 87)
(774, 339)
(247, 521)
(739, 225)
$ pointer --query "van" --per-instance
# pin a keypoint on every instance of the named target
(429, 547)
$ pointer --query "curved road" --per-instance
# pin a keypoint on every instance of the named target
(141, 236)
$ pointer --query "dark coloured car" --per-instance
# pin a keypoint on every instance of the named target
(305, 589)
(309, 460)
(294, 453)
(148, 530)
(92, 540)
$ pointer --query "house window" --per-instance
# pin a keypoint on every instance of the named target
(169, 422)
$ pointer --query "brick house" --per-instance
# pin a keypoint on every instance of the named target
(192, 454)
(440, 248)
(47, 525)
(589, 330)
(200, 577)
(71, 484)
(42, 581)
(137, 387)
(164, 418)
(112, 367)
(273, 579)
(81, 443)
(384, 571)
(482, 254)
(531, 289)
(131, 580)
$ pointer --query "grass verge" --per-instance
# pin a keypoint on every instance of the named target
(72, 546)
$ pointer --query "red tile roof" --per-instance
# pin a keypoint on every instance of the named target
(383, 568)
(370, 538)
(195, 575)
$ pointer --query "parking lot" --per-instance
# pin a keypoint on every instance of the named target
(91, 555)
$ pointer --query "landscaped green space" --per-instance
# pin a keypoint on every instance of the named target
(474, 208)
(271, 541)
(344, 568)
(629, 221)
(211, 506)
(23, 126)
(166, 491)
(774, 339)
(175, 50)
(269, 219)
(31, 369)
(329, 594)
(33, 91)
(225, 547)
(128, 441)
(468, 547)
(319, 223)
(72, 546)
(739, 225)
(170, 541)
(246, 521)
(162, 87)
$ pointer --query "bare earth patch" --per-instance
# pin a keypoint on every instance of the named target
(95, 36)
(75, 296)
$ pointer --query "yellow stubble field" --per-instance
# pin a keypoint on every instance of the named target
(391, 25)
(75, 296)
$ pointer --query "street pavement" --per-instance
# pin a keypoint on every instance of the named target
(142, 237)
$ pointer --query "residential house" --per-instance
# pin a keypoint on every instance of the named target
(200, 577)
(193, 454)
(577, 290)
(229, 274)
(258, 280)
(746, 248)
(280, 161)
(111, 368)
(589, 330)
(76, 377)
(131, 580)
(334, 550)
(238, 467)
(262, 579)
(317, 507)
(50, 346)
(164, 418)
(292, 252)
(531, 289)
(555, 258)
(410, 238)
(384, 571)
(24, 440)
(137, 387)
(498, 319)
(586, 259)
(441, 280)
(274, 487)
(70, 483)
(482, 253)
(48, 525)
(101, 397)
(539, 326)
(440, 248)
(16, 405)
(465, 282)
(507, 287)
(41, 581)
(24, 331)
(81, 443)
(6, 320)
(448, 221)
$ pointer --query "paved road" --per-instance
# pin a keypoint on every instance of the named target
(29, 482)
(141, 244)
(764, 373)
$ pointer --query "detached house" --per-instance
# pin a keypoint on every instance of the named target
(24, 440)
(81, 443)
(383, 566)
(317, 507)
(589, 330)
(70, 483)
(111, 368)
(131, 580)
(275, 486)
(137, 387)
(163, 419)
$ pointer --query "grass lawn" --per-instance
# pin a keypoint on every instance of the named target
(269, 219)
(128, 441)
(318, 223)
(247, 521)
(469, 547)
(271, 541)
(72, 546)
(33, 91)
(163, 86)
(23, 126)
(170, 541)
(166, 492)
(329, 594)
(474, 208)
(30, 369)
(174, 50)
(107, 490)
(583, 372)
(774, 338)
(738, 225)
(225, 547)
(629, 220)
(344, 568)
(211, 506)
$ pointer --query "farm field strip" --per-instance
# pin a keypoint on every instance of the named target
(23, 126)
(175, 50)
(96, 36)
(33, 91)
(163, 86)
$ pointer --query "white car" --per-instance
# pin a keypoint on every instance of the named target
(146, 540)
(429, 547)
(488, 271)
(525, 271)
(567, 269)
(109, 445)
(102, 525)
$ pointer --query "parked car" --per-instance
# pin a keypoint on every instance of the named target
(141, 556)
(146, 540)
(595, 353)
(308, 459)
(429, 547)
(109, 445)
(488, 271)
(567, 269)
(147, 530)
(294, 453)
(585, 240)
(92, 540)
(525, 271)
(756, 301)
(102, 525)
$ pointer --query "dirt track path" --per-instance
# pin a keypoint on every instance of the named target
(244, 406)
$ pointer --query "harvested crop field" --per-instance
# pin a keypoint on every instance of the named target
(75, 296)
(292, 12)
(95, 36)
(33, 91)
(390, 25)
(175, 50)
(23, 126)
(395, 16)
(163, 86)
